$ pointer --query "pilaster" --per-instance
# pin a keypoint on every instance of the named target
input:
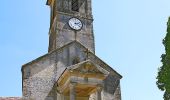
(72, 91)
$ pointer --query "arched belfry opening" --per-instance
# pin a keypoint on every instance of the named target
(75, 5)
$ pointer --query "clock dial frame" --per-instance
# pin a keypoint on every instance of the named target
(75, 23)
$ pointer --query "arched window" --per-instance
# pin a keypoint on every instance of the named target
(75, 5)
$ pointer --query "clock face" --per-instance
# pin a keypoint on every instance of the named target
(75, 23)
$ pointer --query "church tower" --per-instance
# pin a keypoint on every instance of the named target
(70, 70)
(71, 20)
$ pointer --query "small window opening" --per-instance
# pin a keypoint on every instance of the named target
(76, 60)
(27, 73)
(75, 5)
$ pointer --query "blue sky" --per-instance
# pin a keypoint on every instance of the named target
(128, 36)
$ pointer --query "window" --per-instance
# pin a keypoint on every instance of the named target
(76, 60)
(75, 5)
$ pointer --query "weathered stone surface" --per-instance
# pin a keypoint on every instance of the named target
(117, 94)
(60, 32)
(46, 70)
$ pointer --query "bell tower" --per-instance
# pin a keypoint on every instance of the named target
(71, 20)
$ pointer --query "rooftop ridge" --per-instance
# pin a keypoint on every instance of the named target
(10, 98)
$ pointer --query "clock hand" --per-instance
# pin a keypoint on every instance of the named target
(79, 23)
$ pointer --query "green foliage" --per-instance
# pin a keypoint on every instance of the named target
(163, 78)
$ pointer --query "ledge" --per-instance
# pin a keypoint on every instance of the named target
(10, 98)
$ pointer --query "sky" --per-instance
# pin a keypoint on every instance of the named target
(128, 36)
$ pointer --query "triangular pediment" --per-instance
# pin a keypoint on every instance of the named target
(85, 69)
(88, 67)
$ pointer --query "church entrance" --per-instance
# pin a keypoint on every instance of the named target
(81, 82)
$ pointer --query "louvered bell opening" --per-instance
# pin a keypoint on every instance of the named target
(75, 5)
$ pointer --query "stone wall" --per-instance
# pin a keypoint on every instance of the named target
(60, 33)
(40, 75)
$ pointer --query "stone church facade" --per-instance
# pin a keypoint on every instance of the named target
(70, 70)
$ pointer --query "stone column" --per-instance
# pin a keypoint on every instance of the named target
(98, 93)
(72, 91)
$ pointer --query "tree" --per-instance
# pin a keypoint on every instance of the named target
(163, 78)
